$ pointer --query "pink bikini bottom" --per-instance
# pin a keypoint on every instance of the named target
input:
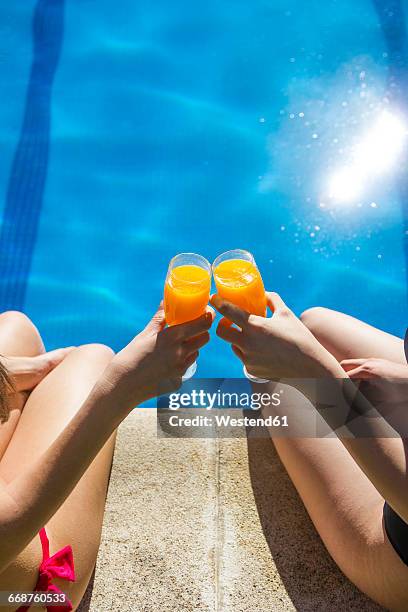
(60, 565)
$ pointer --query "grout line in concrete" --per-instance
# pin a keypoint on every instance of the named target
(219, 540)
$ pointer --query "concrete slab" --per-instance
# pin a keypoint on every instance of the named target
(159, 532)
(271, 557)
(209, 525)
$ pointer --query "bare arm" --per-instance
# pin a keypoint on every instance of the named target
(281, 347)
(157, 356)
(27, 372)
(371, 440)
(29, 501)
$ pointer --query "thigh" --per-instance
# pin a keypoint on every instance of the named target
(18, 337)
(346, 337)
(79, 520)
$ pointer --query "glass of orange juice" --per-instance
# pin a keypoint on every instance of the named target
(239, 281)
(187, 292)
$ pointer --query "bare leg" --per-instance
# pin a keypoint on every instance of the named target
(19, 338)
(344, 506)
(347, 338)
(79, 520)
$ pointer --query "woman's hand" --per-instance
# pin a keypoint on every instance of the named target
(385, 385)
(276, 347)
(375, 368)
(27, 372)
(155, 360)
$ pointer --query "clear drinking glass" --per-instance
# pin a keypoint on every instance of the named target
(239, 281)
(187, 292)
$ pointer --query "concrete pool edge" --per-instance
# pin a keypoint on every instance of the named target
(186, 528)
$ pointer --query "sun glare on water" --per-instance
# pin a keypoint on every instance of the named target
(375, 154)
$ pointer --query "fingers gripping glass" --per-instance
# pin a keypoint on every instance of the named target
(239, 281)
(187, 292)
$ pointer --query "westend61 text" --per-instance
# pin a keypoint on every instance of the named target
(223, 420)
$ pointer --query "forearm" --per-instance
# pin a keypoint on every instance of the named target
(383, 461)
(371, 441)
(34, 496)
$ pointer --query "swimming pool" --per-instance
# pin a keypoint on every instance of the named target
(133, 131)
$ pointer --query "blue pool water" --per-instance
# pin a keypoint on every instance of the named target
(131, 131)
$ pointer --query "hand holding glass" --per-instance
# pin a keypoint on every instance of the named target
(187, 292)
(239, 281)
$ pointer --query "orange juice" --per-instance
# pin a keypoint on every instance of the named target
(186, 293)
(239, 281)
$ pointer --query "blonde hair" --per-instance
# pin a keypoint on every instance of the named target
(6, 387)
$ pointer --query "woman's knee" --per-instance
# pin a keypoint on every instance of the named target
(19, 326)
(100, 351)
(16, 319)
(315, 317)
(96, 356)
